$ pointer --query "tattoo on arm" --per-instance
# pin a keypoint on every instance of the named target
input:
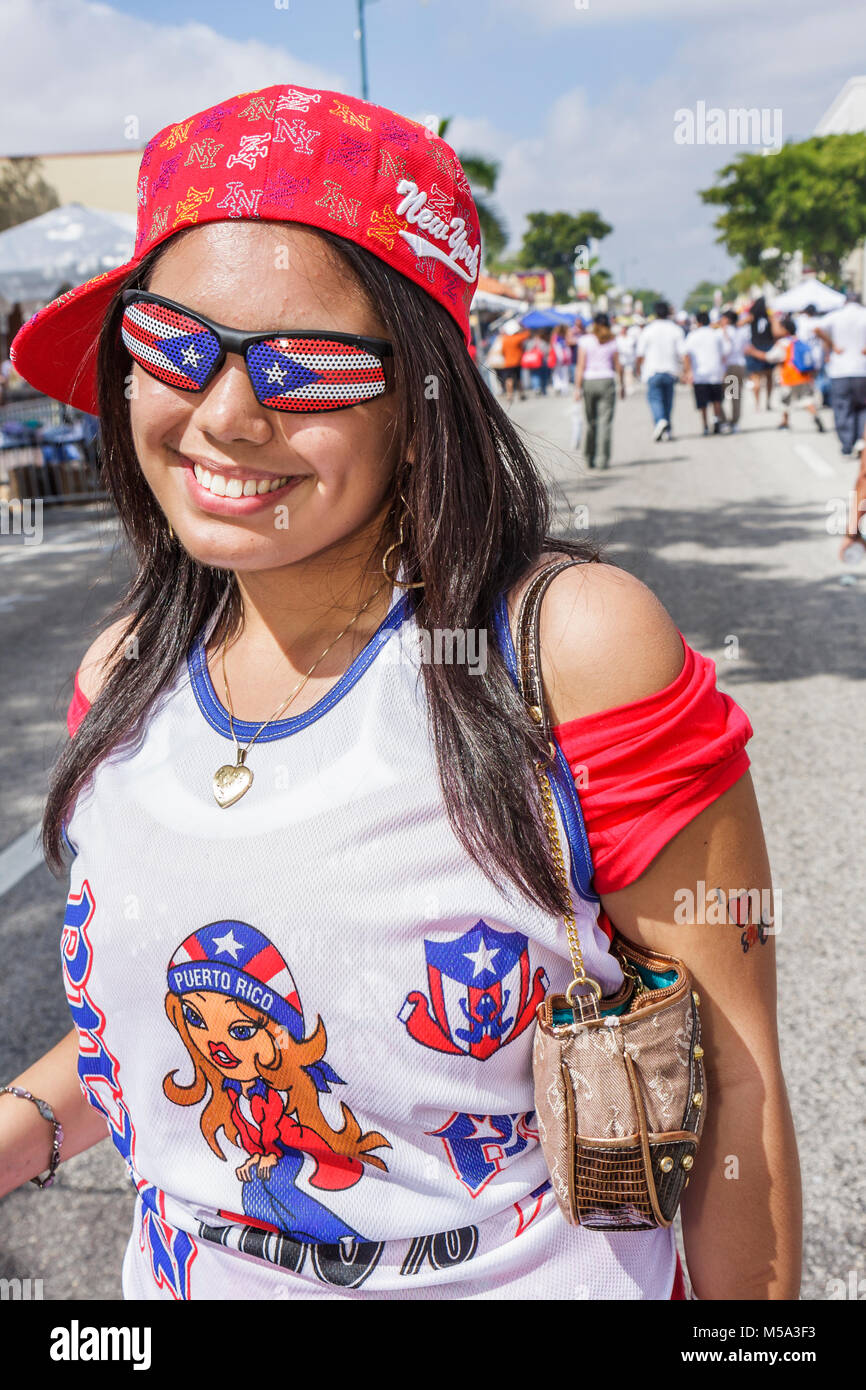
(739, 907)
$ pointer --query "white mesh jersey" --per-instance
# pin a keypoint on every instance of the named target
(308, 1017)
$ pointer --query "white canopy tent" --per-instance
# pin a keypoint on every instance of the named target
(65, 246)
(495, 303)
(808, 292)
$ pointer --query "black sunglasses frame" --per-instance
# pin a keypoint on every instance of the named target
(235, 340)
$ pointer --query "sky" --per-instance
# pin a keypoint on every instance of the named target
(577, 99)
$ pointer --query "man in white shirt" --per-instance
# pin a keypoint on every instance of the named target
(704, 349)
(735, 335)
(844, 332)
(660, 364)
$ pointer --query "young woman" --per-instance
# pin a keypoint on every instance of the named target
(763, 333)
(312, 907)
(559, 361)
(536, 351)
(598, 370)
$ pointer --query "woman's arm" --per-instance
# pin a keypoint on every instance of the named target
(741, 1213)
(25, 1138)
(606, 640)
(617, 366)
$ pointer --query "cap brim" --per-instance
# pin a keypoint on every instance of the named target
(56, 350)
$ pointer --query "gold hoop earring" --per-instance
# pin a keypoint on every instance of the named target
(399, 583)
(170, 532)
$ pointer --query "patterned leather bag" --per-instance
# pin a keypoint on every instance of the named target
(620, 1089)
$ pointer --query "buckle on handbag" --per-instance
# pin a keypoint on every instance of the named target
(582, 980)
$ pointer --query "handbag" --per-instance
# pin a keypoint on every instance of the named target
(620, 1087)
(533, 358)
(495, 356)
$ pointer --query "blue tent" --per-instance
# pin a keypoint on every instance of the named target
(546, 318)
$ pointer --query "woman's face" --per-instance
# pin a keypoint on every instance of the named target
(257, 277)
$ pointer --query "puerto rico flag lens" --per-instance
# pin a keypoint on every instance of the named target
(296, 373)
(173, 347)
(287, 373)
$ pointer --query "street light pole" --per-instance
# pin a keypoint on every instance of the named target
(361, 35)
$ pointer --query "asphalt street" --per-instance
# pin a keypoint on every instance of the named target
(731, 533)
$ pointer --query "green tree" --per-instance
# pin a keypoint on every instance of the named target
(701, 297)
(647, 298)
(482, 174)
(806, 196)
(24, 192)
(600, 281)
(742, 281)
(550, 241)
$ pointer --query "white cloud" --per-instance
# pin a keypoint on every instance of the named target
(556, 14)
(80, 69)
(616, 153)
(74, 71)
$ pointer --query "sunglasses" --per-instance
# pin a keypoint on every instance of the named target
(293, 370)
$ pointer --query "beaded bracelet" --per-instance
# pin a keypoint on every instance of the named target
(47, 1114)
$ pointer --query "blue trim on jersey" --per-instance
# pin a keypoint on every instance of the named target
(218, 718)
(65, 838)
(559, 775)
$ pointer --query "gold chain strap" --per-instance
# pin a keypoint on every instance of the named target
(580, 975)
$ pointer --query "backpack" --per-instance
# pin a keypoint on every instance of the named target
(800, 357)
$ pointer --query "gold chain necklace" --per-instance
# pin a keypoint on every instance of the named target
(233, 780)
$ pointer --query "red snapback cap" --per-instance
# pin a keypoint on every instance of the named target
(281, 154)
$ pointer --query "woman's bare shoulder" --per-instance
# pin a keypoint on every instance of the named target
(606, 640)
(95, 664)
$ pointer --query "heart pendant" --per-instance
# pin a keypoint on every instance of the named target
(231, 782)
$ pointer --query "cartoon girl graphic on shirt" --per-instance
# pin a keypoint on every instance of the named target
(235, 1006)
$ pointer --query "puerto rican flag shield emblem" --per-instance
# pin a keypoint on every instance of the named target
(482, 993)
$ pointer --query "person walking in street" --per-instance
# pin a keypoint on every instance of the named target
(843, 332)
(762, 335)
(796, 373)
(512, 352)
(559, 360)
(598, 370)
(735, 335)
(534, 361)
(573, 334)
(806, 325)
(704, 351)
(494, 363)
(626, 348)
(659, 363)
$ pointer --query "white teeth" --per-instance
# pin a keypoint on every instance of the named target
(221, 486)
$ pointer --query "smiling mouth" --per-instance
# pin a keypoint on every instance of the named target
(238, 485)
(222, 1056)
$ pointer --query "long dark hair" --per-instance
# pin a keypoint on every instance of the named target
(601, 328)
(479, 517)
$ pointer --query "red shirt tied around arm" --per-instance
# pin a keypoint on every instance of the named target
(643, 770)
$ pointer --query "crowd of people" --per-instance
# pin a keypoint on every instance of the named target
(816, 361)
